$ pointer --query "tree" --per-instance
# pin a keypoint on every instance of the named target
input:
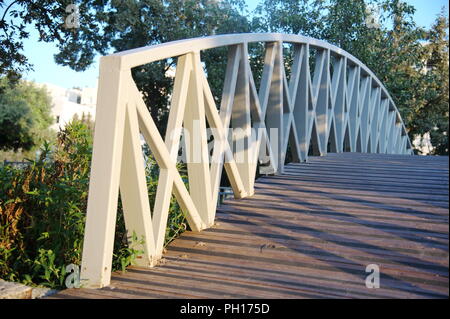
(433, 116)
(393, 49)
(290, 16)
(415, 72)
(24, 116)
(134, 24)
(52, 20)
(403, 59)
(15, 122)
(121, 25)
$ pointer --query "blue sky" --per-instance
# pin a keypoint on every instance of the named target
(46, 70)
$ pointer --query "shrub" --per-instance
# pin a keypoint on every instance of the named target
(42, 212)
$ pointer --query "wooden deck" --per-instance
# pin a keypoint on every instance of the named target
(310, 233)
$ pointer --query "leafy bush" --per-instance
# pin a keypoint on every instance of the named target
(25, 117)
(42, 212)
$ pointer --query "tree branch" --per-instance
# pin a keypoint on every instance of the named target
(7, 8)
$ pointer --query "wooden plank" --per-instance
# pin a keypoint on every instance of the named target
(405, 282)
(211, 288)
(306, 237)
(296, 255)
(345, 223)
(349, 166)
(321, 203)
(354, 191)
(363, 182)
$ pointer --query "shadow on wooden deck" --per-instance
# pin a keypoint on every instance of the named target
(310, 233)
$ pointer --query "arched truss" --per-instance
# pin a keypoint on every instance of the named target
(341, 107)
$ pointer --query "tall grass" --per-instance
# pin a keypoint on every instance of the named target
(42, 212)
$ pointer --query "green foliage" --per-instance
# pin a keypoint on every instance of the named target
(48, 18)
(42, 208)
(412, 75)
(140, 23)
(290, 16)
(411, 62)
(176, 222)
(394, 50)
(120, 25)
(24, 116)
(15, 123)
(42, 212)
(433, 114)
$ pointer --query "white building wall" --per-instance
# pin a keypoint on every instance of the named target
(66, 103)
(423, 144)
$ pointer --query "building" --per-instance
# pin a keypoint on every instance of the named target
(423, 144)
(70, 103)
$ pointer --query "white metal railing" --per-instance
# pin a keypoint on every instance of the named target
(348, 106)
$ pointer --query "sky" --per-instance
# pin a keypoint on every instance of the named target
(40, 54)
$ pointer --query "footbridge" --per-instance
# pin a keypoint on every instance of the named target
(339, 189)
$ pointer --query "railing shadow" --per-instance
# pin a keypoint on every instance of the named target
(338, 261)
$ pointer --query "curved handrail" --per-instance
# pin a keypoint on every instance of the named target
(292, 109)
(139, 56)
